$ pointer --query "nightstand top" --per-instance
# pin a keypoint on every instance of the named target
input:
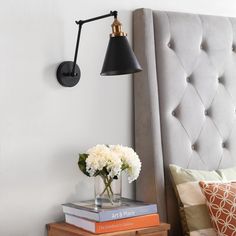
(64, 229)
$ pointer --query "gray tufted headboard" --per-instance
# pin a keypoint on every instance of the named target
(185, 99)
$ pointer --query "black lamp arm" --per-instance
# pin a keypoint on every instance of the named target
(80, 23)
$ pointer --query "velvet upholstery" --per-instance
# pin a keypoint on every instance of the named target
(184, 99)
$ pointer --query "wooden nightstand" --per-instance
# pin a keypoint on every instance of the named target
(64, 229)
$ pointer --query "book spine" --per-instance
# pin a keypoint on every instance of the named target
(81, 213)
(127, 224)
(127, 212)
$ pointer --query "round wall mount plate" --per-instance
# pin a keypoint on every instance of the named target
(64, 75)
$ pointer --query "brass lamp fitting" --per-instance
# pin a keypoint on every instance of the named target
(116, 29)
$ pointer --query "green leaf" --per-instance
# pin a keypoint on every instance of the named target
(82, 163)
(124, 166)
(104, 171)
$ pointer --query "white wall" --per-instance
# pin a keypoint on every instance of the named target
(43, 125)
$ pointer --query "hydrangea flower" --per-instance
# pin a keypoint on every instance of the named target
(130, 161)
(108, 162)
(102, 159)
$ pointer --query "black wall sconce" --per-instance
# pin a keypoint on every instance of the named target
(119, 59)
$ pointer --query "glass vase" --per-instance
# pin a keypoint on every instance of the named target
(107, 191)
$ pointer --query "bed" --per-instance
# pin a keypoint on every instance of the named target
(184, 99)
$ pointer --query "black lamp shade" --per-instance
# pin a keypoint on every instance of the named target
(120, 58)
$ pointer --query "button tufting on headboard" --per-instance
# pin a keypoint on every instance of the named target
(188, 79)
(171, 45)
(193, 147)
(185, 98)
(203, 46)
(220, 79)
(224, 144)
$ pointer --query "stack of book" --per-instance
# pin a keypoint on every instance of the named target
(130, 215)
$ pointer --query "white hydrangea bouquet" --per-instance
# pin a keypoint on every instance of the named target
(107, 162)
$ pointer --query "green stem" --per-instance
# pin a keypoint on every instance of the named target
(106, 186)
(110, 181)
(108, 189)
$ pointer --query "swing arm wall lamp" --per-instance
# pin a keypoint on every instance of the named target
(119, 58)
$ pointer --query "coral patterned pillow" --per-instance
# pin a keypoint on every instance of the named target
(221, 203)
